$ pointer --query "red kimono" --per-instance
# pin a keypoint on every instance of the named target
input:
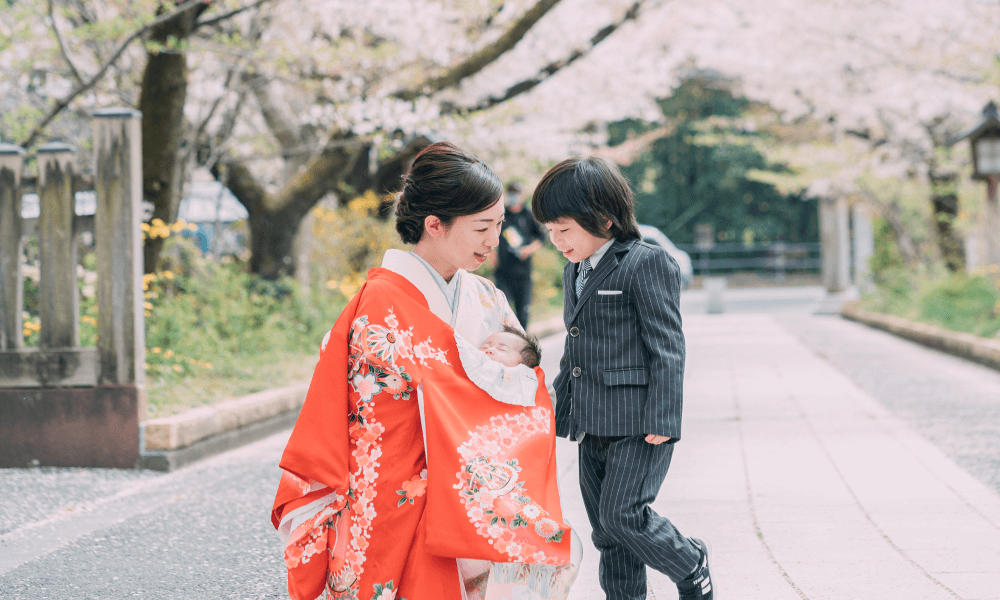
(366, 514)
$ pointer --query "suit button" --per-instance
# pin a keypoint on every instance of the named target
(574, 331)
(577, 371)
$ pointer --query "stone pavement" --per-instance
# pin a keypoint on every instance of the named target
(803, 485)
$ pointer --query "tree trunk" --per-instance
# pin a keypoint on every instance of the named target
(272, 242)
(161, 101)
(944, 202)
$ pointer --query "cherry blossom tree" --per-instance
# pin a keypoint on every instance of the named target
(290, 102)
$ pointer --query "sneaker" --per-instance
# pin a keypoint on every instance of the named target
(697, 585)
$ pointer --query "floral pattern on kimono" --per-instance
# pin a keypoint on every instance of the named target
(379, 355)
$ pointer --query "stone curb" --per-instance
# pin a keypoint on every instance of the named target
(168, 442)
(964, 345)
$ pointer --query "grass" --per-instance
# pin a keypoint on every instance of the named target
(968, 303)
(244, 376)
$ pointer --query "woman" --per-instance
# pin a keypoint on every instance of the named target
(401, 462)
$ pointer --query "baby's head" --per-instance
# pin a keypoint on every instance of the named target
(512, 347)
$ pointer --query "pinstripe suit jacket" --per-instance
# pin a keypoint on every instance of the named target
(622, 371)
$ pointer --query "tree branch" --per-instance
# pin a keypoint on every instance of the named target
(317, 178)
(115, 55)
(241, 182)
(228, 15)
(485, 56)
(62, 45)
(278, 121)
(552, 68)
(84, 86)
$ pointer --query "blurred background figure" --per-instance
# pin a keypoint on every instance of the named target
(520, 237)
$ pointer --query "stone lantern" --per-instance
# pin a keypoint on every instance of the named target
(985, 141)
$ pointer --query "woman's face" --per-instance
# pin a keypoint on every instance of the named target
(469, 239)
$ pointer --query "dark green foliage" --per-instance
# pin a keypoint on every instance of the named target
(699, 173)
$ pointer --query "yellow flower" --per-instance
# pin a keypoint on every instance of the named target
(155, 350)
(147, 305)
(177, 368)
(168, 354)
(168, 274)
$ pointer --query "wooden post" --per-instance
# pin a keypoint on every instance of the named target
(835, 238)
(991, 221)
(864, 245)
(59, 302)
(11, 280)
(118, 183)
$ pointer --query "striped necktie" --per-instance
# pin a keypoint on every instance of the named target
(581, 279)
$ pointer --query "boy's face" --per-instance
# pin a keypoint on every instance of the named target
(575, 242)
(504, 348)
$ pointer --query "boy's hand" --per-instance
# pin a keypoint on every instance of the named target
(654, 439)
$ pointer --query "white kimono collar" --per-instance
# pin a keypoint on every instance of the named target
(413, 269)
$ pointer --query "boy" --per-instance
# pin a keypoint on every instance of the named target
(619, 387)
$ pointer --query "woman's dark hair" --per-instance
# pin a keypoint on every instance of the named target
(446, 182)
(590, 191)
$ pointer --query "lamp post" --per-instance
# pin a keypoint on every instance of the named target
(985, 141)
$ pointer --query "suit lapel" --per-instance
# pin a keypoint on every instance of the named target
(604, 268)
(569, 293)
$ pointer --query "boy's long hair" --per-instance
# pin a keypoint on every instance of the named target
(591, 191)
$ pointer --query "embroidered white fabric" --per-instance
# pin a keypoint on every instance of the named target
(511, 385)
(291, 520)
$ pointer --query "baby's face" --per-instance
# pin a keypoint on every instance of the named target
(504, 348)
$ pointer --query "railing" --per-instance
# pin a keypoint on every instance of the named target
(61, 403)
(776, 258)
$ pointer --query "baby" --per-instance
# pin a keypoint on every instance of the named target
(512, 347)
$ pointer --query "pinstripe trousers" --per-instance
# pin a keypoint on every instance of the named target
(619, 477)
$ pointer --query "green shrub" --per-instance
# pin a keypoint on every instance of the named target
(968, 303)
(209, 322)
(963, 303)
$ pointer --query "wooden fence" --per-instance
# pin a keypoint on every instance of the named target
(61, 404)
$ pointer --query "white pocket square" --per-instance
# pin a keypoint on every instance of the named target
(609, 292)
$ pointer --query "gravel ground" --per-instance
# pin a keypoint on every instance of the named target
(201, 532)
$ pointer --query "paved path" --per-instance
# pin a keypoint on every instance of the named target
(792, 467)
(807, 487)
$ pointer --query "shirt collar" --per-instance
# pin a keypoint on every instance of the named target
(599, 253)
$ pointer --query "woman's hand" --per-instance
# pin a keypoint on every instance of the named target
(656, 440)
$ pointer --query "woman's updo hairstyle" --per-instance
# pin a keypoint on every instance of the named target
(446, 182)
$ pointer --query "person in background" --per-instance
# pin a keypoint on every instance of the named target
(520, 237)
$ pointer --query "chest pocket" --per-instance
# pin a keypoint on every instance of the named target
(630, 376)
(609, 297)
